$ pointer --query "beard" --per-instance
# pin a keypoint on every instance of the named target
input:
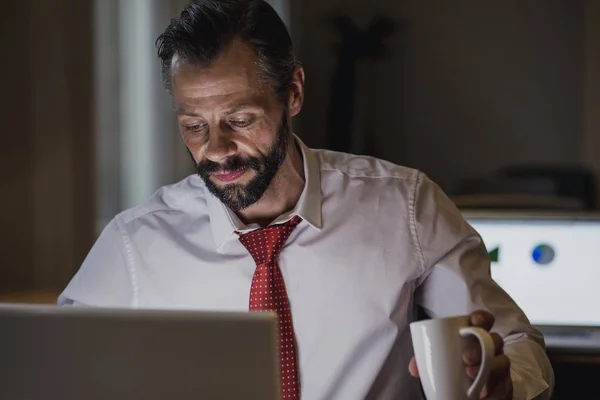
(240, 196)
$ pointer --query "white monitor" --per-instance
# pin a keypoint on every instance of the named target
(93, 354)
(549, 264)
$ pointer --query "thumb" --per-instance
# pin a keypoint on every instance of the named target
(412, 367)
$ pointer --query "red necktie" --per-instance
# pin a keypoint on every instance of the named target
(268, 294)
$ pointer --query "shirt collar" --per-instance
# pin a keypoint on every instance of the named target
(225, 223)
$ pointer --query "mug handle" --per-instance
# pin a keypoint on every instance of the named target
(487, 358)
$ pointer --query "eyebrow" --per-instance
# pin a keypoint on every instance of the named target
(238, 108)
(182, 111)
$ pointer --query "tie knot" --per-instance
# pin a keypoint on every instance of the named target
(265, 244)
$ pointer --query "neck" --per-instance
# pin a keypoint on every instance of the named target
(283, 193)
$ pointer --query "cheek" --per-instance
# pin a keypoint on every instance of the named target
(194, 146)
(254, 143)
(264, 136)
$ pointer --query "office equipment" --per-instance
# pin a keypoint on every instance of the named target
(550, 265)
(81, 353)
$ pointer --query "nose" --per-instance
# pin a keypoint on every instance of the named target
(220, 145)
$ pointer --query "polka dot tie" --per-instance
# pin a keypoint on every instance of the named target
(268, 294)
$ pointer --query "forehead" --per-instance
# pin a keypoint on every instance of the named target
(232, 75)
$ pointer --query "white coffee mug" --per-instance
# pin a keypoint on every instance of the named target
(438, 345)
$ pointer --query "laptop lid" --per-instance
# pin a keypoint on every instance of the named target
(82, 353)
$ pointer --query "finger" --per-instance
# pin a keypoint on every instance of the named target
(482, 319)
(412, 367)
(498, 343)
(472, 354)
(499, 380)
(472, 371)
(499, 392)
(499, 372)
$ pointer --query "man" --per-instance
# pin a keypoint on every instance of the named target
(351, 246)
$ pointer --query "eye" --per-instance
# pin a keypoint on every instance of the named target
(241, 123)
(195, 128)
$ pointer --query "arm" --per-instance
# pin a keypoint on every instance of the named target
(457, 280)
(106, 277)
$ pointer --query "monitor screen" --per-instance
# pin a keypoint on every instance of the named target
(549, 265)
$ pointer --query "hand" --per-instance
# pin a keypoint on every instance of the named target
(499, 384)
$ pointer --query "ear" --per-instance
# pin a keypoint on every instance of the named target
(296, 98)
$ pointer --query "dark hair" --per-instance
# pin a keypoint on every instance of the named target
(206, 27)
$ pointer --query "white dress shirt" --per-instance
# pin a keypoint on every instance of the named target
(376, 240)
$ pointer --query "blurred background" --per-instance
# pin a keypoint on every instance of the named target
(497, 101)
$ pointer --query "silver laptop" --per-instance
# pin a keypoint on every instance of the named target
(550, 265)
(80, 353)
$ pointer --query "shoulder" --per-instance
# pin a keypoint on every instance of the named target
(357, 166)
(188, 194)
(349, 173)
(108, 275)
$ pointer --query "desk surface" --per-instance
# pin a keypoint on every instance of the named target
(565, 357)
(30, 297)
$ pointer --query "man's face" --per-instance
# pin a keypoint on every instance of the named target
(232, 125)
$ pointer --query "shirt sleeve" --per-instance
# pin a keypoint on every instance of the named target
(105, 279)
(457, 280)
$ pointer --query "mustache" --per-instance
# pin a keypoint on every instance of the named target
(233, 163)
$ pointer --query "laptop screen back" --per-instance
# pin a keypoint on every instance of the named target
(548, 265)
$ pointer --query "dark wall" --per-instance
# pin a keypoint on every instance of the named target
(47, 211)
(464, 83)
(16, 220)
